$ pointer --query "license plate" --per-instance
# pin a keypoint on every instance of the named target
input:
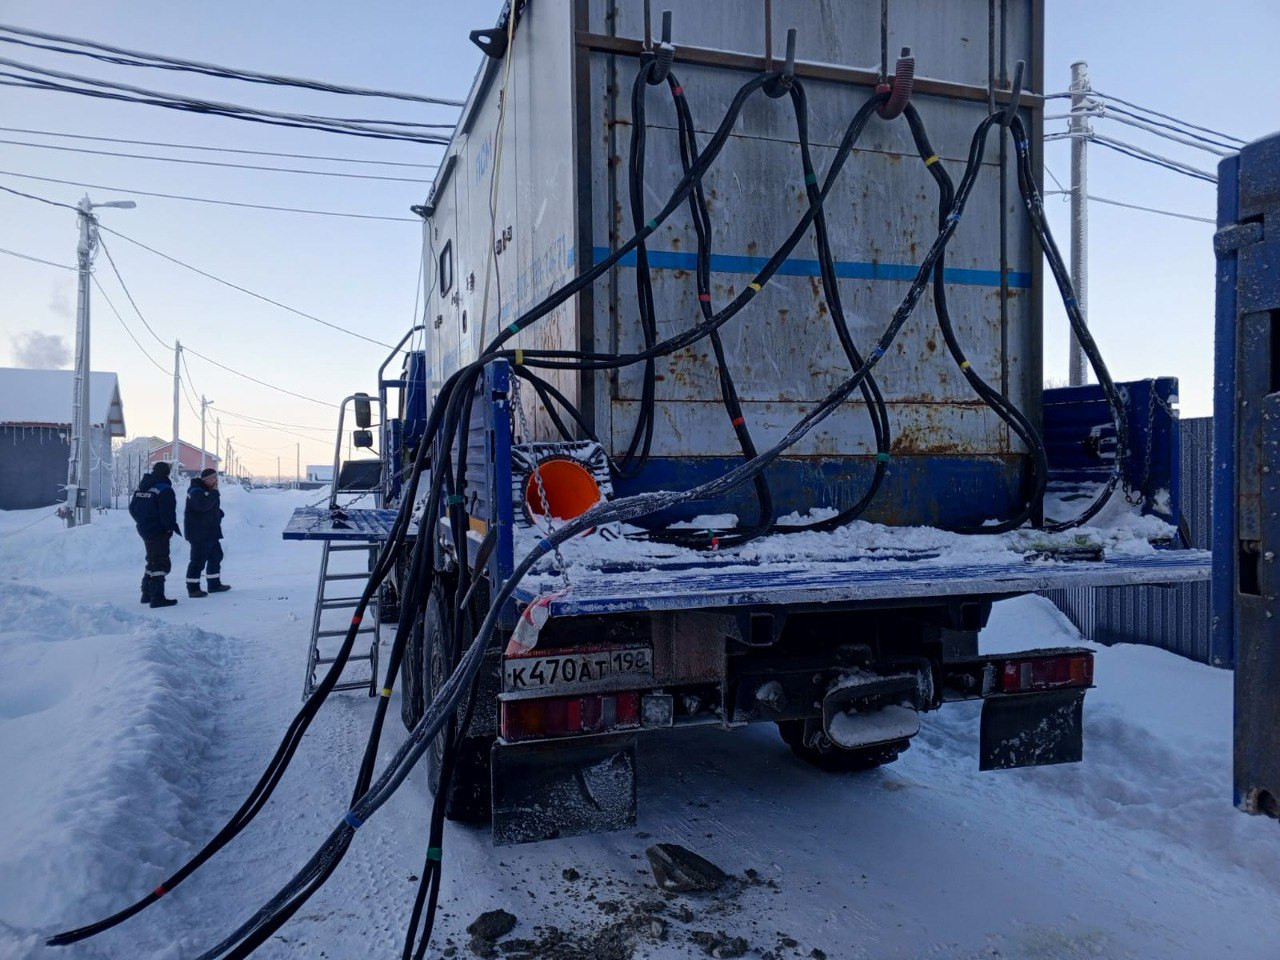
(596, 670)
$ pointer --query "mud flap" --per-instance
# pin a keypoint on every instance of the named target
(546, 790)
(1032, 729)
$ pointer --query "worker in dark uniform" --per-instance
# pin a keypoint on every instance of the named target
(154, 509)
(203, 520)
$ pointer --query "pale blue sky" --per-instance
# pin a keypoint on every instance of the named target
(1151, 293)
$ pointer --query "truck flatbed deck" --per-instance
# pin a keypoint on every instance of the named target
(724, 582)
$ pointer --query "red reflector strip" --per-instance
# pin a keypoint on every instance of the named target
(1047, 673)
(569, 716)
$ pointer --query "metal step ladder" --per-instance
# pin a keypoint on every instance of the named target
(327, 632)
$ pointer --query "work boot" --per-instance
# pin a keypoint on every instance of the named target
(158, 598)
(146, 588)
(215, 585)
(193, 589)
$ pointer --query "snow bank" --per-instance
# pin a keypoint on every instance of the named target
(101, 742)
(1158, 730)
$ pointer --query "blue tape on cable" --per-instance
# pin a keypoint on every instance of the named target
(355, 822)
(1070, 302)
(545, 546)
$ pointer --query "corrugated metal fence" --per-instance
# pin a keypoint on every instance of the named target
(1174, 617)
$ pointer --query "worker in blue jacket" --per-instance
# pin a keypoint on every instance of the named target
(203, 520)
(154, 509)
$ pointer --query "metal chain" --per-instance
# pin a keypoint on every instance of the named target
(537, 476)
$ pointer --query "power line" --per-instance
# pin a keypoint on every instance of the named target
(1165, 116)
(26, 256)
(263, 383)
(212, 69)
(32, 196)
(244, 290)
(221, 203)
(1133, 206)
(193, 146)
(1190, 140)
(161, 100)
(135, 94)
(182, 356)
(1175, 133)
(133, 303)
(1140, 154)
(273, 423)
(135, 340)
(210, 163)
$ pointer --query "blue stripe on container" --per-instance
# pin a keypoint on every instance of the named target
(797, 267)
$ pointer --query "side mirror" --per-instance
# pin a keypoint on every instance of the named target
(363, 438)
(364, 416)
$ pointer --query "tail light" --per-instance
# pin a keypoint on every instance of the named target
(569, 716)
(1046, 673)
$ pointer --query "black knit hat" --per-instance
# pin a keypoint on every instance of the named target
(161, 469)
(208, 472)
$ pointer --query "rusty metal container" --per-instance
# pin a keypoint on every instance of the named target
(561, 204)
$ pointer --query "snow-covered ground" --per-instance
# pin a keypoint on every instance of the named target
(127, 735)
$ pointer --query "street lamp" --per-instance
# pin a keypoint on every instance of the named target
(79, 507)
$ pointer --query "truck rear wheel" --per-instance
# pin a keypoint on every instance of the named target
(810, 744)
(470, 798)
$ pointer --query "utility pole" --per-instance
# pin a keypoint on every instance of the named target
(217, 448)
(79, 508)
(203, 404)
(1081, 131)
(177, 385)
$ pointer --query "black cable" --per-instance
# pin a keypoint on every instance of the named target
(275, 769)
(1165, 116)
(998, 402)
(447, 420)
(209, 163)
(235, 286)
(27, 256)
(202, 105)
(241, 150)
(35, 83)
(1120, 148)
(32, 196)
(222, 203)
(121, 55)
(1062, 277)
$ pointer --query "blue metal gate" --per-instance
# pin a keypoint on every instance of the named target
(1175, 617)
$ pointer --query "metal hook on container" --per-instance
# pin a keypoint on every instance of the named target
(904, 81)
(666, 53)
(1015, 95)
(782, 85)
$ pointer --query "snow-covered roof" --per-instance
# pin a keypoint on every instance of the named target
(43, 398)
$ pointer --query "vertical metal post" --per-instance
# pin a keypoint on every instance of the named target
(177, 381)
(1081, 130)
(217, 436)
(297, 465)
(78, 455)
(203, 403)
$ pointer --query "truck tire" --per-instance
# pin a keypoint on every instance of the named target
(814, 747)
(470, 798)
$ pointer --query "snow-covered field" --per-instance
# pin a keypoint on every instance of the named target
(128, 735)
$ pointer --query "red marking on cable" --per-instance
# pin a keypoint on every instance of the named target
(355, 621)
(677, 90)
(704, 297)
(160, 891)
(738, 421)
